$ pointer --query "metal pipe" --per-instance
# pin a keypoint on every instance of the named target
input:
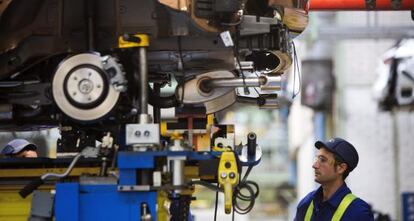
(143, 74)
(355, 5)
(235, 82)
(61, 175)
(177, 172)
(90, 22)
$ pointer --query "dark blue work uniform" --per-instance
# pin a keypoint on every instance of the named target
(358, 210)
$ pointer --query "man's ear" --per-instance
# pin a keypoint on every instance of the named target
(341, 168)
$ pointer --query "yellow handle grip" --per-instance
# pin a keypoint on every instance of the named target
(228, 197)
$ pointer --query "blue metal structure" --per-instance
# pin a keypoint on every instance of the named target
(82, 202)
(76, 202)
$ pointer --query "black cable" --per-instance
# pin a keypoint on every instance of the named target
(216, 204)
(232, 214)
(253, 192)
(236, 55)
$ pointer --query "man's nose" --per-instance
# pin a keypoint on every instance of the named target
(315, 165)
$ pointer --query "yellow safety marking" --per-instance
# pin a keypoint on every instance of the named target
(163, 129)
(129, 44)
(191, 172)
(346, 201)
(163, 208)
(13, 207)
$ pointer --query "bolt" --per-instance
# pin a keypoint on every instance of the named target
(223, 175)
(134, 111)
(74, 93)
(98, 86)
(146, 133)
(138, 133)
(89, 74)
(75, 78)
(121, 187)
(232, 175)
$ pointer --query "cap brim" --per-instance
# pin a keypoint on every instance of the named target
(30, 147)
(320, 144)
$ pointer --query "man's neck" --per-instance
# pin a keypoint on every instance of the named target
(330, 188)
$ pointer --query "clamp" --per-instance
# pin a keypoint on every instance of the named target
(228, 178)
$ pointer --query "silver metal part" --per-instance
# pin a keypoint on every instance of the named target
(82, 88)
(177, 164)
(42, 205)
(245, 65)
(215, 99)
(90, 152)
(142, 134)
(265, 82)
(145, 216)
(143, 75)
(177, 167)
(220, 103)
(118, 80)
(144, 118)
(236, 82)
(272, 83)
(156, 178)
(252, 26)
(88, 180)
(243, 157)
(129, 188)
(85, 85)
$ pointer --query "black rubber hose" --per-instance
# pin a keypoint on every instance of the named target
(29, 188)
(251, 145)
(161, 102)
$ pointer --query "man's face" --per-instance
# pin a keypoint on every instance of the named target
(324, 167)
(27, 154)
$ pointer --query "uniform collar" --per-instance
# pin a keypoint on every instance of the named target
(335, 199)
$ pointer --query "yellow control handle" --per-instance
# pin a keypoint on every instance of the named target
(228, 197)
(228, 177)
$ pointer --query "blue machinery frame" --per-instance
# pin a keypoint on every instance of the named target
(79, 202)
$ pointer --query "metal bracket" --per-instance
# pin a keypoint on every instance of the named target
(42, 206)
(142, 134)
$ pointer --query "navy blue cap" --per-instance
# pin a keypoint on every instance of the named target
(17, 145)
(343, 149)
